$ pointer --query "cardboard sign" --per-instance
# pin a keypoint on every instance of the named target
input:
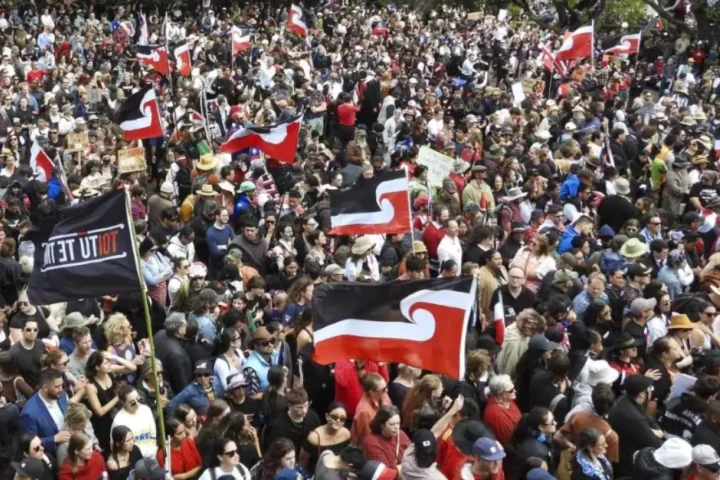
(528, 85)
(439, 166)
(78, 142)
(475, 15)
(131, 160)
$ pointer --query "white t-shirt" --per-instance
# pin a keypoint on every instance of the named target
(235, 472)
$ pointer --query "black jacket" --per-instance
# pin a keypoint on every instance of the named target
(707, 434)
(614, 211)
(635, 427)
(683, 418)
(177, 363)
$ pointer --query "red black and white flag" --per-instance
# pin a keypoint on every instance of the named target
(153, 56)
(421, 323)
(578, 44)
(296, 21)
(626, 45)
(241, 39)
(40, 163)
(139, 115)
(279, 141)
(379, 205)
(547, 58)
(181, 57)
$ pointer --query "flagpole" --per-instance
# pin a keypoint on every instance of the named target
(412, 233)
(592, 44)
(148, 322)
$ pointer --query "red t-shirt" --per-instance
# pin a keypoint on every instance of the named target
(35, 75)
(346, 114)
(92, 470)
(450, 460)
(348, 388)
(184, 459)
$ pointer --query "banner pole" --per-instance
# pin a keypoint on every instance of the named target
(412, 233)
(148, 322)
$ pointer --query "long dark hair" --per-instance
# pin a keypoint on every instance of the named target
(235, 426)
(95, 360)
(118, 436)
(271, 397)
(529, 425)
(271, 461)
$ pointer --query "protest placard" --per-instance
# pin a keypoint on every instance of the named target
(131, 160)
(439, 166)
(78, 142)
(475, 15)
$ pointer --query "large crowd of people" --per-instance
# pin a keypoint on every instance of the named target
(586, 204)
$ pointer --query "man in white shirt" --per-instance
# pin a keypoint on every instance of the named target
(450, 247)
(435, 125)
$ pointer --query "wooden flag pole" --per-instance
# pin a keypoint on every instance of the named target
(148, 323)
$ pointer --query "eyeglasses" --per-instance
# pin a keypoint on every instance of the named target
(31, 330)
(337, 418)
(266, 343)
(231, 453)
(512, 390)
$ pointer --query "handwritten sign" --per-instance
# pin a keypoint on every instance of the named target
(439, 166)
(78, 142)
(475, 15)
(528, 85)
(131, 160)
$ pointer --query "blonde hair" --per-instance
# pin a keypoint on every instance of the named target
(77, 415)
(114, 329)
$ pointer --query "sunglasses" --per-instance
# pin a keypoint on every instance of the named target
(337, 418)
(266, 343)
(231, 453)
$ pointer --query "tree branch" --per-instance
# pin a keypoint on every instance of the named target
(679, 24)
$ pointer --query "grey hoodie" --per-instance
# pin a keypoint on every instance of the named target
(411, 470)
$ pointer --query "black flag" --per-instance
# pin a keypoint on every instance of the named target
(86, 251)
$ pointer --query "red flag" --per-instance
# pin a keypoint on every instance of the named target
(578, 44)
(547, 58)
(240, 39)
(40, 163)
(182, 59)
(627, 45)
(278, 141)
(295, 21)
(155, 57)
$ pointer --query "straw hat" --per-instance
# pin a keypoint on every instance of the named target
(206, 191)
(207, 162)
(363, 245)
(515, 193)
(633, 248)
(680, 322)
(688, 121)
(85, 192)
(227, 186)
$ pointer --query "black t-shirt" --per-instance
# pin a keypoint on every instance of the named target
(512, 306)
(249, 408)
(28, 361)
(39, 316)
(704, 193)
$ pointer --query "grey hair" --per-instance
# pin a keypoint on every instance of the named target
(174, 321)
(499, 384)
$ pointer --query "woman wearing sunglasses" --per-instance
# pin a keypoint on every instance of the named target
(332, 436)
(226, 462)
(30, 446)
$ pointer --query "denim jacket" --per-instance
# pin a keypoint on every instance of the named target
(194, 395)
